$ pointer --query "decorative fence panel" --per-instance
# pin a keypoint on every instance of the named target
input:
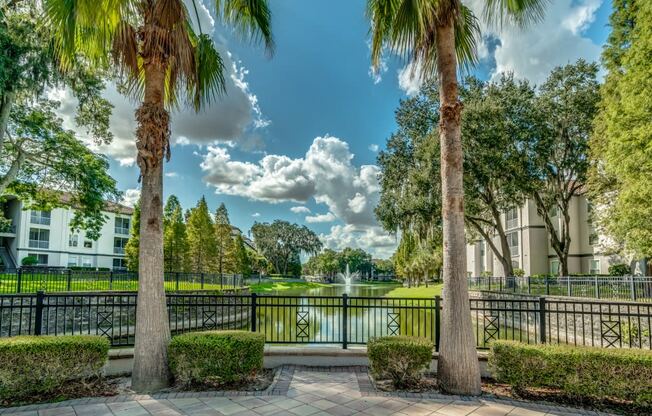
(335, 319)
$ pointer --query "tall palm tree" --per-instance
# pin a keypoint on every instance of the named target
(437, 36)
(164, 62)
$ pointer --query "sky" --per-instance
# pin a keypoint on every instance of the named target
(297, 134)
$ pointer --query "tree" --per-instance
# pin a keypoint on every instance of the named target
(241, 257)
(224, 241)
(620, 182)
(175, 239)
(202, 247)
(153, 43)
(282, 243)
(132, 249)
(42, 163)
(436, 36)
(559, 165)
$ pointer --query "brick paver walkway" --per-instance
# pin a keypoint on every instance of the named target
(296, 392)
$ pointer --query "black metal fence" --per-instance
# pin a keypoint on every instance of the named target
(340, 320)
(68, 280)
(635, 288)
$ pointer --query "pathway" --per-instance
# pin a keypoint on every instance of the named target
(297, 391)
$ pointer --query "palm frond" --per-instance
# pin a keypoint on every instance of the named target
(467, 34)
(381, 13)
(519, 12)
(253, 18)
(208, 82)
(125, 49)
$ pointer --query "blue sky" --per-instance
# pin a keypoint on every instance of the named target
(297, 135)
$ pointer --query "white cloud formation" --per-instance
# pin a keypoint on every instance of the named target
(328, 217)
(373, 239)
(325, 174)
(409, 79)
(171, 174)
(374, 147)
(256, 214)
(300, 210)
(130, 197)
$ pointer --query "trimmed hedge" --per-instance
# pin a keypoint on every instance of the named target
(34, 365)
(579, 372)
(400, 358)
(216, 357)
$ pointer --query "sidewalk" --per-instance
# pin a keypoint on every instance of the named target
(297, 391)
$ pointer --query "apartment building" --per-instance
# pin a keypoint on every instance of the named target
(530, 248)
(47, 236)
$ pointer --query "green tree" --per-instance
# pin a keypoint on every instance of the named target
(226, 251)
(242, 263)
(620, 183)
(39, 159)
(436, 36)
(282, 242)
(132, 249)
(202, 247)
(164, 60)
(175, 240)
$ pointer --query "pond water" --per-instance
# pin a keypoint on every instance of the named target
(368, 290)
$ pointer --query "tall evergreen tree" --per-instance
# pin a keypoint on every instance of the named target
(242, 263)
(202, 247)
(175, 241)
(132, 249)
(224, 260)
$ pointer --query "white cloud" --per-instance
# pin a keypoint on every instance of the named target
(300, 210)
(372, 239)
(172, 174)
(409, 79)
(328, 217)
(130, 197)
(325, 174)
(256, 214)
(374, 147)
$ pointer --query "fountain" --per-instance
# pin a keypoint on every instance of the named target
(347, 276)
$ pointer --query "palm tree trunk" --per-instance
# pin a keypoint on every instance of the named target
(150, 372)
(458, 369)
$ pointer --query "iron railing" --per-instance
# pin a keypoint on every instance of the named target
(635, 288)
(339, 320)
(69, 280)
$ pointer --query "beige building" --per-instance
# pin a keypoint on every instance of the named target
(530, 247)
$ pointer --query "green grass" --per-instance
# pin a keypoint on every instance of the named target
(276, 286)
(416, 292)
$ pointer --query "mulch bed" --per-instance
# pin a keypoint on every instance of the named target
(77, 389)
(260, 382)
(428, 384)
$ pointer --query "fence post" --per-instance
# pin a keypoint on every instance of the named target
(568, 284)
(69, 281)
(253, 312)
(176, 279)
(345, 321)
(597, 287)
(500, 284)
(19, 280)
(490, 283)
(542, 320)
(529, 285)
(437, 321)
(632, 288)
(202, 280)
(547, 285)
(221, 281)
(38, 320)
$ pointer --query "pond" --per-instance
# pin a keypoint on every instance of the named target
(366, 290)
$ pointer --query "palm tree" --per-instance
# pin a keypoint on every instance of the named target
(436, 36)
(163, 61)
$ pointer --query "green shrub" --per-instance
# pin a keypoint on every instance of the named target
(36, 365)
(216, 357)
(519, 272)
(401, 359)
(579, 372)
(619, 269)
(29, 261)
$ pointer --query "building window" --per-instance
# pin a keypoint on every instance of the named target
(87, 262)
(512, 241)
(554, 267)
(512, 218)
(88, 244)
(39, 238)
(119, 264)
(119, 245)
(73, 261)
(594, 266)
(122, 226)
(40, 217)
(42, 259)
(73, 240)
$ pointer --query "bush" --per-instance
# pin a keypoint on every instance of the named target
(401, 359)
(519, 272)
(579, 372)
(37, 365)
(29, 261)
(216, 357)
(619, 269)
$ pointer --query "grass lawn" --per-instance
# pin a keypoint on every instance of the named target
(416, 292)
(274, 286)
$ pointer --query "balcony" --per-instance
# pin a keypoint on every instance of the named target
(118, 250)
(121, 230)
(39, 244)
(7, 228)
